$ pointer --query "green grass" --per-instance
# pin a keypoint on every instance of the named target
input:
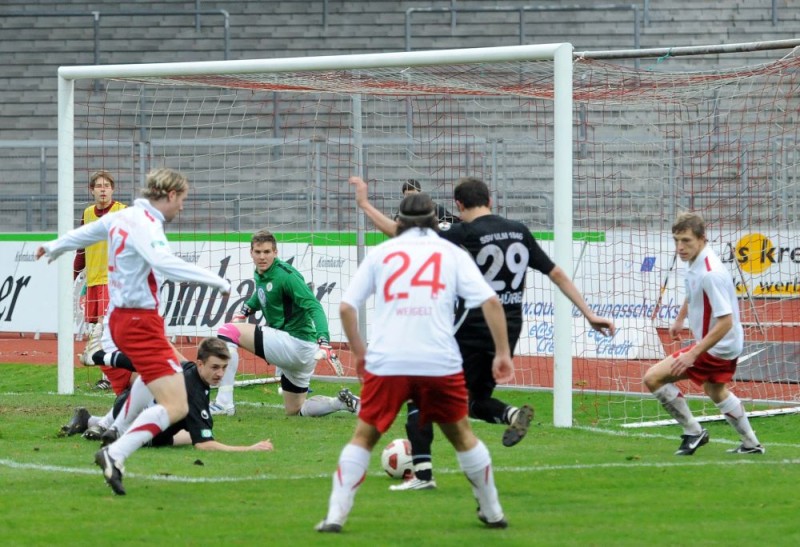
(578, 486)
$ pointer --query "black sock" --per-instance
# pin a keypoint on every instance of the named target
(489, 410)
(421, 439)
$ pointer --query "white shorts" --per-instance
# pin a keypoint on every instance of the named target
(296, 358)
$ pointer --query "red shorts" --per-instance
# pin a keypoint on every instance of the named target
(441, 399)
(708, 368)
(96, 303)
(139, 334)
(119, 378)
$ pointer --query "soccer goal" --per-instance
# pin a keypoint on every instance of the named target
(271, 143)
(595, 157)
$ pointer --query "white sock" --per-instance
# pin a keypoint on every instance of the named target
(139, 398)
(320, 405)
(511, 413)
(351, 472)
(674, 402)
(225, 388)
(150, 423)
(477, 466)
(106, 421)
(734, 413)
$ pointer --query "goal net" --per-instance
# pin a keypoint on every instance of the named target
(272, 144)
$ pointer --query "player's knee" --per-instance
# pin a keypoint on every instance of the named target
(651, 380)
(229, 332)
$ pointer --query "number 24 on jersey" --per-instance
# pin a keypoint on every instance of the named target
(427, 276)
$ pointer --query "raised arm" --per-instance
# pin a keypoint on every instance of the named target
(381, 221)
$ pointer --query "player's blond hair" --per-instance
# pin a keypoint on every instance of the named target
(690, 221)
(160, 182)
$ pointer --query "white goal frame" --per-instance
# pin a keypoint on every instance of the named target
(561, 54)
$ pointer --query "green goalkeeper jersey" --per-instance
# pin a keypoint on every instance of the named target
(288, 303)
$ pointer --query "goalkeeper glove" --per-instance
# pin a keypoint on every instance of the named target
(243, 314)
(327, 352)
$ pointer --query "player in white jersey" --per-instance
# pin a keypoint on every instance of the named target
(139, 260)
(713, 312)
(413, 355)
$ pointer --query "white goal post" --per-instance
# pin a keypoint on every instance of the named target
(245, 74)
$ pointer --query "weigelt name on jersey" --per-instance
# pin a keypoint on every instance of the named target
(414, 310)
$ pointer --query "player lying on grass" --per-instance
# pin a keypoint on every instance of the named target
(295, 336)
(197, 427)
(713, 312)
(121, 372)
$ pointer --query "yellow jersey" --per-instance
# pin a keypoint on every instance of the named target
(97, 254)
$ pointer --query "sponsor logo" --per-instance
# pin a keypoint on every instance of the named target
(189, 257)
(756, 254)
(330, 262)
(648, 264)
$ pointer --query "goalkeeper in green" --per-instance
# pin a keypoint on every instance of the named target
(294, 338)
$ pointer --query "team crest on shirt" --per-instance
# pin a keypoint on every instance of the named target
(204, 414)
(262, 296)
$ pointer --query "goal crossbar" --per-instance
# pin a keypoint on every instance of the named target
(320, 63)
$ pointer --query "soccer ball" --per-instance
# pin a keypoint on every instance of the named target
(396, 459)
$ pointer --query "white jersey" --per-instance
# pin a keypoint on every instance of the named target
(416, 278)
(139, 257)
(711, 294)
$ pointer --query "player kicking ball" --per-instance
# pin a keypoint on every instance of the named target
(713, 312)
(415, 278)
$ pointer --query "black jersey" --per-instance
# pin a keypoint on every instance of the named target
(503, 250)
(198, 422)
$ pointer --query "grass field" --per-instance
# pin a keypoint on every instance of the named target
(578, 486)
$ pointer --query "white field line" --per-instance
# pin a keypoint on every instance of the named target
(11, 464)
(758, 460)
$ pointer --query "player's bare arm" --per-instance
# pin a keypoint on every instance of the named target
(261, 446)
(686, 360)
(381, 221)
(358, 349)
(566, 286)
(677, 326)
(502, 365)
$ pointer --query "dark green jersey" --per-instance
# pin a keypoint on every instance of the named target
(288, 304)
